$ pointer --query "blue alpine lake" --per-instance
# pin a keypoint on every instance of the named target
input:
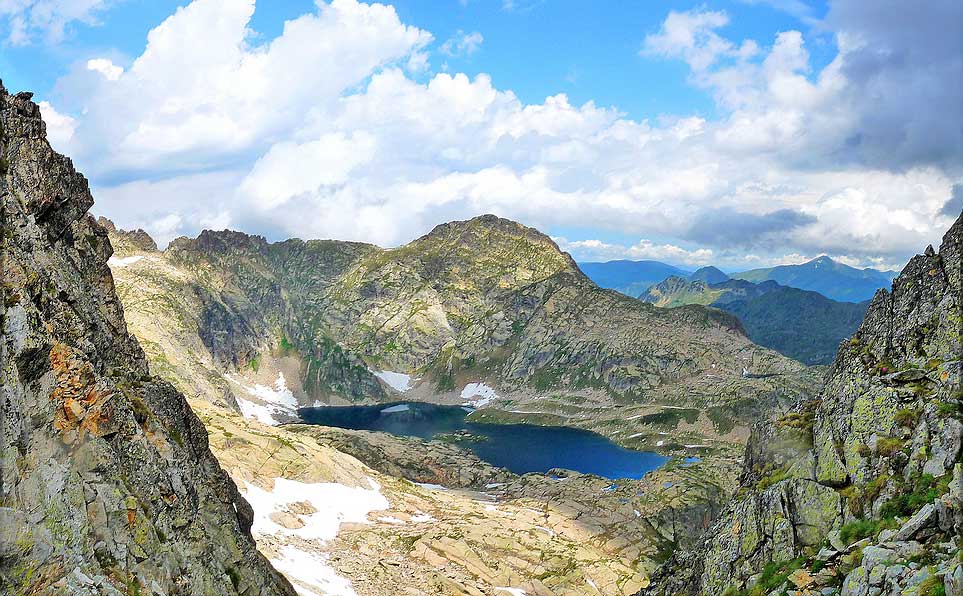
(520, 448)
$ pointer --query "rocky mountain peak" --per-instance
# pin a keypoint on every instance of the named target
(488, 223)
(222, 242)
(127, 242)
(710, 275)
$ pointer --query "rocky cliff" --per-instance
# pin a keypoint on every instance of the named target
(107, 484)
(858, 491)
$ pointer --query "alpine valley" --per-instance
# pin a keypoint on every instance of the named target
(154, 437)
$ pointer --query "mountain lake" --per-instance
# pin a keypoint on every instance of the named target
(520, 448)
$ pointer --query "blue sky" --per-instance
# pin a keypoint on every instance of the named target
(537, 49)
(740, 133)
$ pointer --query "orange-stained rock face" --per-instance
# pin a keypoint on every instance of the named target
(82, 404)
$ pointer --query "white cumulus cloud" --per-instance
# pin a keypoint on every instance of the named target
(336, 128)
(28, 20)
(104, 66)
(463, 43)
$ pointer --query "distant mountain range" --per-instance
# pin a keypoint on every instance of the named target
(631, 278)
(801, 324)
(828, 277)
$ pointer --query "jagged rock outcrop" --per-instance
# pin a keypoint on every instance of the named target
(874, 463)
(107, 484)
(124, 241)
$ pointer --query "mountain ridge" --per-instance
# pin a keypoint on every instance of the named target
(800, 324)
(844, 283)
(484, 300)
(841, 282)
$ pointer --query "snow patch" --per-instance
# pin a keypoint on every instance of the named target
(478, 395)
(397, 381)
(310, 569)
(332, 504)
(659, 443)
(398, 408)
(123, 261)
(255, 411)
(430, 486)
(512, 591)
(421, 517)
(269, 402)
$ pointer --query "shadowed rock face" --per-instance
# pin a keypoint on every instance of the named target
(108, 485)
(877, 456)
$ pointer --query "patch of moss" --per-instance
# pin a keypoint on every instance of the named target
(906, 417)
(285, 345)
(774, 477)
(234, 576)
(176, 435)
(949, 409)
(773, 576)
(932, 586)
(888, 446)
(857, 530)
(921, 489)
(818, 565)
(798, 420)
(140, 408)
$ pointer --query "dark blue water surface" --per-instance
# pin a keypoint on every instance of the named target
(520, 448)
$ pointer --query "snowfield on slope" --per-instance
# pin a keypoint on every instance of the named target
(397, 381)
(268, 402)
(478, 395)
(123, 261)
